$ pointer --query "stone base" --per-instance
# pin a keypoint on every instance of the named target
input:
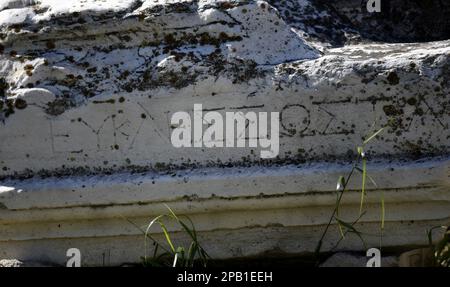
(41, 219)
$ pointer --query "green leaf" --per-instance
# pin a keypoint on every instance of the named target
(352, 229)
(340, 184)
(166, 234)
(191, 233)
(368, 176)
(363, 185)
(373, 136)
(360, 151)
(191, 253)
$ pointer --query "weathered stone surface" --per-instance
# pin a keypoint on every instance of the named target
(10, 263)
(98, 97)
(87, 89)
(17, 263)
(346, 21)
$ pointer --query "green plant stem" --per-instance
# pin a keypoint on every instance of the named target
(347, 231)
(336, 208)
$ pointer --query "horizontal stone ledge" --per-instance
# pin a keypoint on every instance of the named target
(256, 241)
(230, 220)
(197, 191)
